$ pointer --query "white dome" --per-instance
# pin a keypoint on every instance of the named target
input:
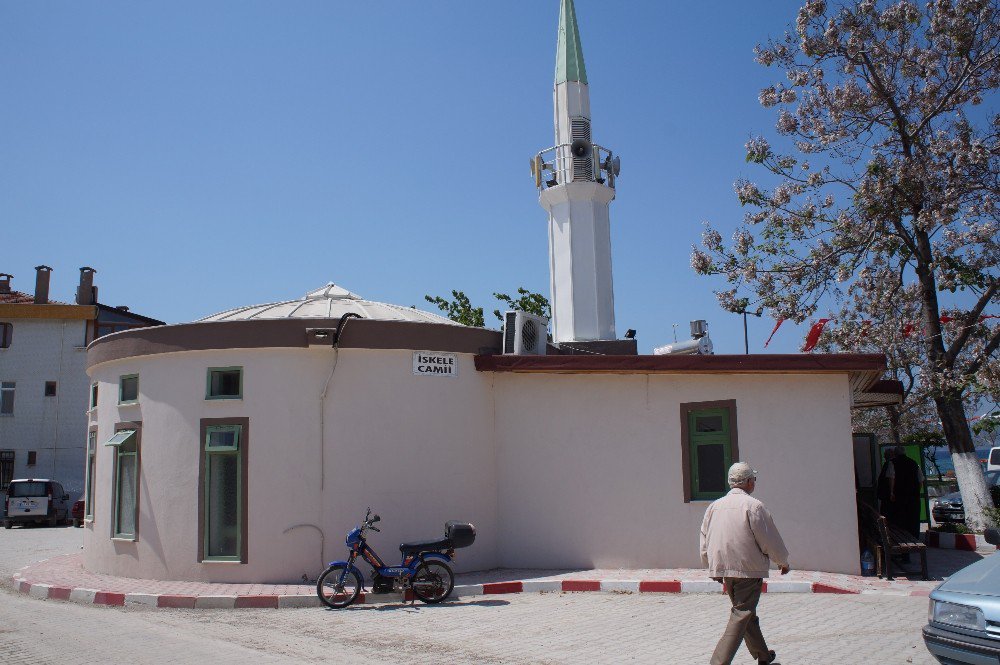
(328, 302)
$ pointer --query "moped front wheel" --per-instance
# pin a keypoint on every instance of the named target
(433, 581)
(339, 586)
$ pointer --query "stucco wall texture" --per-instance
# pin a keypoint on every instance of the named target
(554, 470)
(53, 427)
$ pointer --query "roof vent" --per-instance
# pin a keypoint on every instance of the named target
(5, 282)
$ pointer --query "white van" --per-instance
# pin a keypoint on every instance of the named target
(993, 461)
(36, 500)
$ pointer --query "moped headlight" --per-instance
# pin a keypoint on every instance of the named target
(958, 615)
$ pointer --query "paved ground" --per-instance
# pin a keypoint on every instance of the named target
(521, 628)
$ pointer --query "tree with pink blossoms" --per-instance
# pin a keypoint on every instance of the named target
(885, 187)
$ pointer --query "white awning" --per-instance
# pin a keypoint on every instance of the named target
(120, 437)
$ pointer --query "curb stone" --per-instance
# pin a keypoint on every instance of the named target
(177, 601)
(956, 541)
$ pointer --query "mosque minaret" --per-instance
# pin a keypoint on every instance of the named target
(576, 179)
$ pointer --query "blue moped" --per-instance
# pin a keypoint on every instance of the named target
(424, 568)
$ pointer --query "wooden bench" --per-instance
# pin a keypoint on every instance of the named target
(888, 541)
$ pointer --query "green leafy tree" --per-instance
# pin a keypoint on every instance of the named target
(460, 309)
(526, 301)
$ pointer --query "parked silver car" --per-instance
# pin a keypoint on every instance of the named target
(964, 615)
(948, 508)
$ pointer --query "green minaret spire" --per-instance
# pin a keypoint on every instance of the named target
(569, 51)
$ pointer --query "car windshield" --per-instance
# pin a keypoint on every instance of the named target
(27, 489)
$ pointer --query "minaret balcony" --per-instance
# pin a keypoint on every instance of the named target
(580, 161)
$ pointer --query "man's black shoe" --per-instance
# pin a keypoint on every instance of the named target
(767, 661)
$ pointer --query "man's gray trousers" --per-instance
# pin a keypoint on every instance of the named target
(744, 626)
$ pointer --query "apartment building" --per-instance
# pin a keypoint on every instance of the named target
(45, 394)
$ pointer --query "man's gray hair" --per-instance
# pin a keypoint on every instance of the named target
(740, 473)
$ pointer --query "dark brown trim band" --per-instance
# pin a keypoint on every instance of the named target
(290, 333)
(726, 364)
(734, 448)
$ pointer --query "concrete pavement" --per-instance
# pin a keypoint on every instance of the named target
(518, 628)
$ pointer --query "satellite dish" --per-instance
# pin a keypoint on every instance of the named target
(581, 148)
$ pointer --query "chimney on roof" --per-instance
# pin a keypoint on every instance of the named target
(86, 293)
(5, 282)
(42, 284)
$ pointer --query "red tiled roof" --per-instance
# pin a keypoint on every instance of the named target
(21, 298)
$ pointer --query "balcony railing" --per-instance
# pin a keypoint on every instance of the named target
(559, 165)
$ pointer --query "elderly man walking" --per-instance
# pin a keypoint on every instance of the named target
(738, 537)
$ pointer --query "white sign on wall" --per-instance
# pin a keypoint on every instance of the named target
(432, 363)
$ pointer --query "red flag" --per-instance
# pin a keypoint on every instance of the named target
(776, 326)
(812, 339)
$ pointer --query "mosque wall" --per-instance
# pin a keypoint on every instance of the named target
(555, 470)
(590, 467)
(418, 450)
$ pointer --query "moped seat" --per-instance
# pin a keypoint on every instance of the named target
(425, 546)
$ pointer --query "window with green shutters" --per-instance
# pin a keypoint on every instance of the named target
(709, 431)
(224, 383)
(223, 500)
(88, 501)
(128, 389)
(126, 488)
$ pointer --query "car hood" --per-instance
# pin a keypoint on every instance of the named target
(981, 578)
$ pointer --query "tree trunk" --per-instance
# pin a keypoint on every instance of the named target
(893, 412)
(951, 411)
(968, 471)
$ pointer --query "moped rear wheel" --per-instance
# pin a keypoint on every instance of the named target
(336, 593)
(433, 581)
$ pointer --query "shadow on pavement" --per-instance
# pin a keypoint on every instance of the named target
(407, 606)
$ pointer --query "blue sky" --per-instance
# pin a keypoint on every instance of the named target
(203, 156)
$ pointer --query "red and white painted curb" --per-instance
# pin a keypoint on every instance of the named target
(98, 597)
(956, 541)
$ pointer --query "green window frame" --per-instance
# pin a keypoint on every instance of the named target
(710, 447)
(88, 497)
(126, 483)
(219, 386)
(125, 381)
(223, 498)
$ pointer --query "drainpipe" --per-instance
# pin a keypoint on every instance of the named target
(322, 396)
(42, 284)
(322, 432)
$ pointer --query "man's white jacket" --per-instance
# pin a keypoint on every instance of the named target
(738, 537)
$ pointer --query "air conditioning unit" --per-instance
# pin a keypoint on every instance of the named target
(524, 334)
